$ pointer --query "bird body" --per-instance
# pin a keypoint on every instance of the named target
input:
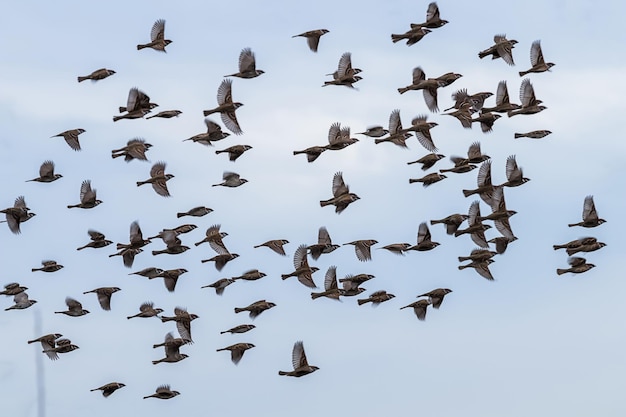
(71, 138)
(590, 215)
(313, 37)
(109, 388)
(157, 37)
(247, 65)
(299, 362)
(99, 74)
(46, 173)
(87, 197)
(237, 350)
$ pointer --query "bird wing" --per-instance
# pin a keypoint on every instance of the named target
(339, 187)
(46, 169)
(423, 233)
(589, 209)
(224, 92)
(246, 61)
(536, 56)
(157, 169)
(300, 257)
(298, 357)
(158, 30)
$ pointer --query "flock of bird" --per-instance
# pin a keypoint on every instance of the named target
(468, 108)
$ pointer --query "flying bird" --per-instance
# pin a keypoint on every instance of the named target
(299, 362)
(226, 107)
(46, 173)
(109, 388)
(157, 37)
(313, 37)
(158, 179)
(502, 48)
(590, 215)
(71, 137)
(342, 197)
(247, 65)
(538, 64)
(99, 74)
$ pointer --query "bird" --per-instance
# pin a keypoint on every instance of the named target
(476, 100)
(339, 137)
(428, 179)
(436, 296)
(590, 215)
(535, 134)
(247, 65)
(256, 308)
(195, 212)
(222, 258)
(428, 86)
(331, 288)
(183, 321)
(251, 275)
(226, 107)
(62, 346)
(501, 242)
(486, 121)
(146, 310)
(74, 308)
(157, 37)
(481, 267)
(213, 134)
(476, 228)
(313, 37)
(166, 234)
(483, 181)
(172, 349)
(538, 64)
(46, 173)
(137, 105)
(351, 284)
(362, 248)
(374, 131)
(345, 74)
(421, 127)
(503, 105)
(276, 245)
(499, 214)
(149, 272)
(412, 36)
(312, 153)
(376, 298)
(235, 151)
(129, 250)
(463, 115)
(163, 392)
(71, 137)
(419, 308)
(17, 214)
(99, 74)
(13, 288)
(475, 155)
(397, 248)
(173, 244)
(577, 265)
(104, 296)
(220, 285)
(502, 48)
(21, 301)
(98, 240)
(324, 244)
(231, 180)
(108, 389)
(588, 247)
(87, 197)
(158, 179)
(397, 135)
(433, 20)
(135, 148)
(170, 277)
(48, 266)
(452, 222)
(530, 104)
(242, 328)
(576, 243)
(213, 237)
(478, 255)
(514, 174)
(237, 350)
(460, 169)
(166, 114)
(302, 269)
(48, 342)
(342, 197)
(428, 160)
(424, 242)
(299, 362)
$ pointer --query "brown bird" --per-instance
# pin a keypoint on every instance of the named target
(503, 48)
(478, 255)
(74, 308)
(312, 153)
(183, 321)
(163, 392)
(424, 242)
(149, 272)
(222, 258)
(331, 288)
(247, 65)
(419, 308)
(172, 349)
(231, 180)
(98, 240)
(195, 212)
(21, 301)
(538, 64)
(157, 37)
(256, 308)
(213, 237)
(499, 214)
(535, 134)
(351, 284)
(235, 151)
(421, 127)
(482, 268)
(324, 244)
(397, 135)
(220, 285)
(135, 148)
(501, 242)
(299, 362)
(342, 197)
(362, 248)
(476, 100)
(135, 114)
(179, 230)
(173, 244)
(436, 296)
(46, 173)
(476, 228)
(463, 115)
(530, 104)
(71, 137)
(147, 310)
(485, 186)
(276, 245)
(48, 266)
(87, 197)
(136, 101)
(503, 105)
(412, 36)
(459, 169)
(574, 243)
(514, 174)
(251, 275)
(302, 269)
(104, 296)
(128, 251)
(374, 132)
(427, 160)
(242, 328)
(109, 388)
(433, 20)
(158, 179)
(428, 86)
(226, 107)
(397, 248)
(577, 264)
(486, 121)
(213, 134)
(313, 37)
(589, 247)
(237, 350)
(99, 74)
(345, 74)
(166, 114)
(590, 215)
(170, 277)
(17, 214)
(62, 346)
(376, 298)
(339, 137)
(428, 179)
(48, 342)
(12, 288)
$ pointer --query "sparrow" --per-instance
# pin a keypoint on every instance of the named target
(339, 137)
(104, 296)
(436, 296)
(109, 388)
(424, 242)
(459, 169)
(226, 107)
(486, 121)
(62, 346)
(87, 197)
(428, 86)
(433, 20)
(514, 174)
(351, 284)
(476, 228)
(17, 214)
(452, 222)
(342, 197)
(331, 288)
(345, 74)
(158, 179)
(302, 269)
(136, 101)
(98, 240)
(221, 259)
(313, 37)
(463, 115)
(476, 101)
(183, 322)
(530, 105)
(577, 266)
(397, 248)
(237, 350)
(448, 78)
(362, 248)
(71, 137)
(157, 37)
(146, 310)
(135, 114)
(213, 237)
(574, 243)
(478, 255)
(242, 328)
(299, 362)
(231, 179)
(483, 181)
(13, 288)
(482, 268)
(536, 60)
(374, 132)
(135, 148)
(21, 301)
(499, 214)
(419, 308)
(397, 135)
(503, 105)
(149, 272)
(220, 285)
(195, 212)
(312, 153)
(172, 349)
(179, 230)
(276, 245)
(376, 298)
(48, 342)
(503, 48)
(129, 250)
(48, 266)
(166, 114)
(412, 36)
(427, 160)
(163, 392)
(99, 74)
(428, 179)
(46, 173)
(588, 247)
(501, 242)
(235, 151)
(256, 308)
(535, 134)
(251, 275)
(213, 134)
(247, 65)
(173, 243)
(421, 127)
(74, 308)
(590, 215)
(324, 244)
(170, 277)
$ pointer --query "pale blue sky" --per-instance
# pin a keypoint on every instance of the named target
(530, 343)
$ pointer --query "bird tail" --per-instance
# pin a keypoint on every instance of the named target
(464, 258)
(412, 180)
(461, 267)
(403, 90)
(519, 135)
(315, 295)
(362, 301)
(284, 276)
(155, 362)
(179, 215)
(81, 79)
(207, 112)
(239, 310)
(432, 222)
(36, 269)
(81, 248)
(223, 332)
(282, 373)
(199, 243)
(467, 193)
(572, 224)
(157, 252)
(122, 109)
(325, 203)
(140, 183)
(481, 55)
(139, 47)
(116, 118)
(557, 247)
(114, 155)
(522, 73)
(395, 38)
(560, 271)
